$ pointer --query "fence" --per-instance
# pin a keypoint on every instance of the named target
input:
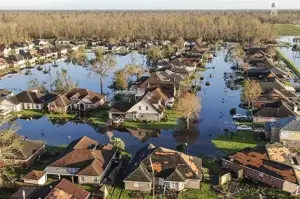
(14, 185)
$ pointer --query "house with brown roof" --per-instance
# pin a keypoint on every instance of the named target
(149, 107)
(28, 153)
(272, 111)
(63, 189)
(172, 170)
(274, 165)
(77, 99)
(33, 100)
(35, 177)
(84, 160)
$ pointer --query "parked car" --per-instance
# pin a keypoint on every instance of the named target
(117, 120)
(239, 116)
(243, 128)
(170, 104)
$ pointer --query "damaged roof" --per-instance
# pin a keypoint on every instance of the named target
(168, 164)
(31, 97)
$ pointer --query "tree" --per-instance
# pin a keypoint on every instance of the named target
(63, 82)
(120, 81)
(236, 54)
(35, 84)
(10, 145)
(155, 53)
(251, 91)
(189, 105)
(118, 143)
(77, 56)
(179, 43)
(102, 64)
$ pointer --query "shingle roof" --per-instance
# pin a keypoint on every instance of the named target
(121, 107)
(65, 190)
(31, 97)
(34, 175)
(278, 109)
(292, 125)
(28, 148)
(166, 164)
(89, 161)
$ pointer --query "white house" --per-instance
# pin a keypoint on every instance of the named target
(3, 64)
(5, 51)
(35, 177)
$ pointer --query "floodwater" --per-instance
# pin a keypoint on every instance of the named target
(214, 116)
(292, 55)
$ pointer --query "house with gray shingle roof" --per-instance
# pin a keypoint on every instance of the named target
(285, 130)
(172, 170)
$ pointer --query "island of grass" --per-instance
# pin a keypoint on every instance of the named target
(233, 142)
(287, 29)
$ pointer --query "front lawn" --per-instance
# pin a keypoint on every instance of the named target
(170, 123)
(98, 116)
(234, 142)
(205, 192)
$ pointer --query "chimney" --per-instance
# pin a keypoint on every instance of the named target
(24, 194)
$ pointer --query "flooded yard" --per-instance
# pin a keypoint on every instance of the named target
(217, 100)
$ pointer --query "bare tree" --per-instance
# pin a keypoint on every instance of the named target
(189, 105)
(63, 82)
(102, 64)
(35, 84)
(251, 91)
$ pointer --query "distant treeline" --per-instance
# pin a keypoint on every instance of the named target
(231, 26)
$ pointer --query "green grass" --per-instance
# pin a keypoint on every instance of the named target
(234, 142)
(289, 63)
(205, 192)
(287, 29)
(118, 193)
(38, 113)
(171, 122)
(287, 83)
(98, 116)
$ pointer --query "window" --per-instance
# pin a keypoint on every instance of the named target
(140, 108)
(95, 179)
(146, 108)
(28, 106)
(136, 184)
(82, 179)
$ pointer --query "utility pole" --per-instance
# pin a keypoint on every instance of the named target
(153, 180)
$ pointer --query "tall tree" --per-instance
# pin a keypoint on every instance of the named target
(189, 105)
(63, 82)
(102, 64)
(77, 56)
(236, 54)
(251, 91)
(35, 84)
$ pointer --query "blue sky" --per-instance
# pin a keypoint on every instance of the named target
(146, 4)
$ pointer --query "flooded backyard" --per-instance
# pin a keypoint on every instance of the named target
(216, 102)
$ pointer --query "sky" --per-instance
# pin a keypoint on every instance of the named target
(144, 4)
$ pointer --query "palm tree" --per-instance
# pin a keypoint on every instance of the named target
(102, 64)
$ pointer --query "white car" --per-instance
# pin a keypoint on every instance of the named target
(117, 120)
(239, 116)
(170, 104)
(243, 128)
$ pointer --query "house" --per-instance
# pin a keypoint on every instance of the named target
(17, 61)
(35, 177)
(172, 170)
(149, 107)
(30, 59)
(284, 130)
(77, 99)
(5, 51)
(47, 53)
(270, 83)
(63, 189)
(3, 64)
(40, 43)
(32, 100)
(85, 161)
(273, 165)
(16, 47)
(29, 151)
(272, 111)
(144, 134)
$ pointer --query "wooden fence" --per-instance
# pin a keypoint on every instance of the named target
(15, 185)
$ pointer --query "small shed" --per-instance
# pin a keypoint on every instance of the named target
(35, 177)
